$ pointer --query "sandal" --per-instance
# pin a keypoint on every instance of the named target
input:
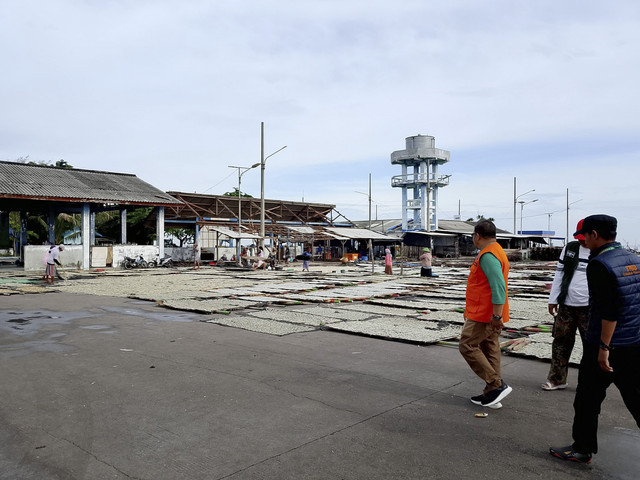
(550, 386)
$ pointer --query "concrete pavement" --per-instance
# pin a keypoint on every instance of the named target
(97, 387)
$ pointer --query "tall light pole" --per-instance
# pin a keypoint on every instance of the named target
(514, 205)
(515, 200)
(369, 196)
(263, 159)
(549, 215)
(241, 171)
(369, 201)
(522, 204)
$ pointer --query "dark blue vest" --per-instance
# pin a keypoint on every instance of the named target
(624, 266)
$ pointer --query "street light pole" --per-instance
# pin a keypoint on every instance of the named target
(369, 201)
(522, 204)
(263, 159)
(515, 200)
(514, 205)
(241, 171)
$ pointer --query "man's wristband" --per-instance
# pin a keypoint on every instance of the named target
(606, 347)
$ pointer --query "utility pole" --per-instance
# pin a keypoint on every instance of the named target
(262, 184)
(369, 201)
(514, 204)
(263, 160)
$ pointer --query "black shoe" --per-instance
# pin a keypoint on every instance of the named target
(568, 453)
(478, 399)
(494, 396)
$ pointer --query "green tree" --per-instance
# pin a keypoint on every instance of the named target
(235, 194)
(182, 234)
(38, 228)
(480, 218)
(59, 164)
(141, 226)
(63, 164)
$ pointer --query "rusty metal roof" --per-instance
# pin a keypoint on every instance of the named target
(39, 182)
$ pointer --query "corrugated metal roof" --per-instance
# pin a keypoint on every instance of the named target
(19, 180)
(430, 234)
(233, 234)
(358, 234)
(307, 230)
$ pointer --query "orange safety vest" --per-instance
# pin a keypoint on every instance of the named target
(479, 307)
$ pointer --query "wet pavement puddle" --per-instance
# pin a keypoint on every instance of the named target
(30, 322)
(161, 316)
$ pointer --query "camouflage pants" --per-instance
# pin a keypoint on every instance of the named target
(569, 320)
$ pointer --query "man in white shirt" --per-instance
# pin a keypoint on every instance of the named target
(52, 259)
(569, 304)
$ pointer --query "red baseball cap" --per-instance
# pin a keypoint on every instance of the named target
(579, 236)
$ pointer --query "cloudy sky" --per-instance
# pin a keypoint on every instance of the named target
(174, 91)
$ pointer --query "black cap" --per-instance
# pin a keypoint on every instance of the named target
(605, 225)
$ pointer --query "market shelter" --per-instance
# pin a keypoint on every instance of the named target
(284, 221)
(47, 191)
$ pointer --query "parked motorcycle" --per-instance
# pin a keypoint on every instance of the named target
(138, 262)
(128, 263)
(164, 262)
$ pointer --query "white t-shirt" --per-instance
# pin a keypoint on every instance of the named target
(53, 255)
(578, 293)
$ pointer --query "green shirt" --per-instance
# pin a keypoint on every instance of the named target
(492, 268)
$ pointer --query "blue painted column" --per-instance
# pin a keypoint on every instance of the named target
(51, 220)
(23, 234)
(92, 228)
(86, 236)
(160, 231)
(123, 226)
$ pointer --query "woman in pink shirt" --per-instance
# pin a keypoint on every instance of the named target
(388, 262)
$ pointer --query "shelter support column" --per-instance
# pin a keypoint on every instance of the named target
(123, 226)
(86, 235)
(5, 240)
(160, 230)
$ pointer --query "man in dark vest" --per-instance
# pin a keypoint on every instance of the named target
(612, 345)
(569, 305)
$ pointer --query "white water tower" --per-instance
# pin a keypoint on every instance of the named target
(420, 181)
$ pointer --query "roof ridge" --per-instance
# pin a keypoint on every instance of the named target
(68, 169)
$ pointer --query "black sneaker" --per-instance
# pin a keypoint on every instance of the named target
(568, 453)
(478, 399)
(494, 396)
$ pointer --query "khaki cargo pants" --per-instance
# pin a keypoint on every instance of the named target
(480, 347)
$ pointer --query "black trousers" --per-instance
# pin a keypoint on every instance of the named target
(425, 272)
(592, 390)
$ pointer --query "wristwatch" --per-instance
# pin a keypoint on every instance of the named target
(604, 346)
(496, 317)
